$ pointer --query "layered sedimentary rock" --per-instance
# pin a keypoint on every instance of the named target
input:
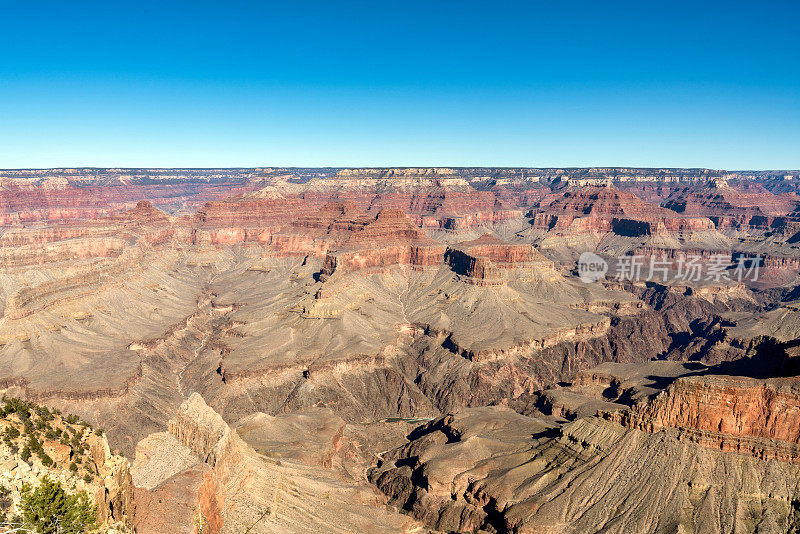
(342, 288)
(747, 205)
(748, 264)
(389, 239)
(73, 249)
(324, 314)
(759, 417)
(607, 209)
(77, 197)
(227, 222)
(485, 260)
(499, 471)
(401, 332)
(438, 203)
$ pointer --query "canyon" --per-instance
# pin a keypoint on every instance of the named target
(412, 349)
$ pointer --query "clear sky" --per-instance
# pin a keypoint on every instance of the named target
(378, 83)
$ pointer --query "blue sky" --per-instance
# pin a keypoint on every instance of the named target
(712, 84)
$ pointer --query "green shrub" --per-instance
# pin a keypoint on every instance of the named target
(26, 453)
(50, 510)
(34, 444)
(17, 406)
(73, 467)
(46, 460)
(44, 413)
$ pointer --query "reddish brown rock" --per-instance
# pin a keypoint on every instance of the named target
(747, 204)
(59, 452)
(484, 260)
(22, 203)
(726, 412)
(607, 209)
(234, 488)
(174, 506)
(389, 239)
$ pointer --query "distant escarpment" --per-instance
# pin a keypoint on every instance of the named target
(745, 206)
(67, 199)
(607, 209)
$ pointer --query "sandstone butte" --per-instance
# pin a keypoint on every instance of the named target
(390, 350)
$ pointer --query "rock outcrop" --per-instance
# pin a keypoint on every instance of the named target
(73, 455)
(484, 261)
(729, 413)
(748, 205)
(389, 239)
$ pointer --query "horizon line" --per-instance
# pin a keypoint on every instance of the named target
(372, 167)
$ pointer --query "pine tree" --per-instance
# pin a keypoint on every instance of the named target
(44, 507)
(50, 510)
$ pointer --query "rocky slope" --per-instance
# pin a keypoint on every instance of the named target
(494, 470)
(606, 209)
(649, 447)
(222, 484)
